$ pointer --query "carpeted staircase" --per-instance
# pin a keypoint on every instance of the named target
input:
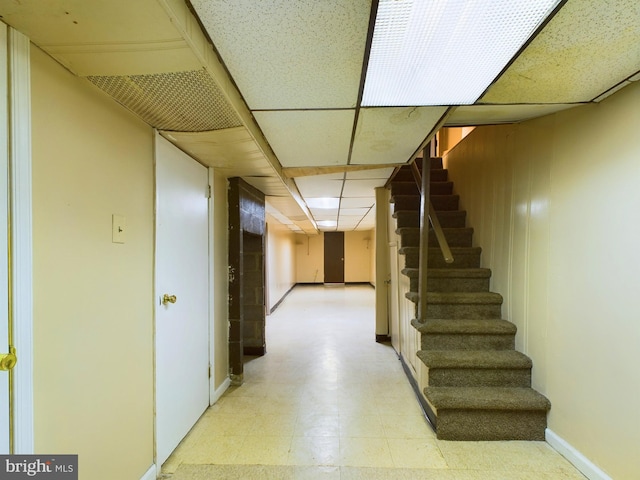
(479, 387)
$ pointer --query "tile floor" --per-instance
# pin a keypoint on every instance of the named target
(327, 401)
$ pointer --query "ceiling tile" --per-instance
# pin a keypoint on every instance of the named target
(321, 217)
(308, 138)
(308, 53)
(361, 188)
(104, 38)
(233, 150)
(588, 47)
(358, 202)
(495, 114)
(392, 135)
(353, 211)
(314, 187)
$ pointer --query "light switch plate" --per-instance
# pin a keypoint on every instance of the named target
(118, 228)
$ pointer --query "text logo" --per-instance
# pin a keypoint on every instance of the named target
(49, 467)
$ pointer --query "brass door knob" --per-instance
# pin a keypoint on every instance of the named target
(168, 299)
(8, 360)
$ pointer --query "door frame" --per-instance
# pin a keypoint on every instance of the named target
(16, 54)
(213, 394)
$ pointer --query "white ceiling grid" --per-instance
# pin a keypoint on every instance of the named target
(292, 72)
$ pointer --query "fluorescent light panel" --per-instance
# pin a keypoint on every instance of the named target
(445, 52)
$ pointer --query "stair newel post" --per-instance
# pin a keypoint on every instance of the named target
(424, 234)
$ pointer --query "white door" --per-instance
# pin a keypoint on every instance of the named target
(4, 288)
(182, 272)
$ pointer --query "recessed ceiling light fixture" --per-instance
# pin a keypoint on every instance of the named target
(445, 52)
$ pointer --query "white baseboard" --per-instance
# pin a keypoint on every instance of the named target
(215, 395)
(582, 463)
(151, 474)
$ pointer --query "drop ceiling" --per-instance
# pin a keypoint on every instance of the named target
(272, 90)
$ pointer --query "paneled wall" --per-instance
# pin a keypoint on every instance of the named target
(554, 203)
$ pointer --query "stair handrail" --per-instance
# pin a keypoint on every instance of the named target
(432, 215)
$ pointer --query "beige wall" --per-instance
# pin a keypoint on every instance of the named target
(358, 249)
(220, 282)
(359, 257)
(554, 203)
(93, 323)
(280, 261)
(310, 258)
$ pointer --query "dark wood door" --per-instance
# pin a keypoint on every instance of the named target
(334, 257)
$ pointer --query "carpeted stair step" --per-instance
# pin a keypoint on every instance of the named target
(445, 202)
(488, 413)
(405, 175)
(456, 237)
(439, 175)
(411, 218)
(477, 368)
(411, 188)
(464, 305)
(412, 202)
(404, 188)
(463, 257)
(405, 202)
(436, 163)
(458, 279)
(451, 279)
(405, 172)
(466, 334)
(441, 188)
(461, 305)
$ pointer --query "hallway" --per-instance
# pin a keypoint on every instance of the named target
(327, 401)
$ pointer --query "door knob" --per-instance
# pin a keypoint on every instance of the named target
(168, 299)
(8, 360)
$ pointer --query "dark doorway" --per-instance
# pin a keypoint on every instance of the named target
(334, 257)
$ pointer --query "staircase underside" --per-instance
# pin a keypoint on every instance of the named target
(478, 387)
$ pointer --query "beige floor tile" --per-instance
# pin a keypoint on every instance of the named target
(365, 452)
(263, 450)
(416, 453)
(237, 405)
(316, 473)
(307, 450)
(282, 424)
(361, 426)
(220, 424)
(317, 425)
(505, 456)
(406, 426)
(368, 473)
(213, 450)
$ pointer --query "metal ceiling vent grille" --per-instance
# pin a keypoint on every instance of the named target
(182, 101)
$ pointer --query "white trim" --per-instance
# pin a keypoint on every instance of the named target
(20, 98)
(212, 241)
(218, 392)
(582, 463)
(4, 218)
(150, 474)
